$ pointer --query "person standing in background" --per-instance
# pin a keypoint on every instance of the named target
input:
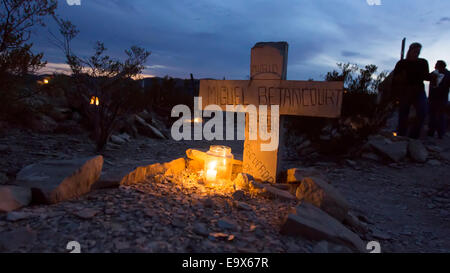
(409, 75)
(438, 99)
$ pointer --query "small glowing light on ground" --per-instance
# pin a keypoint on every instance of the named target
(218, 165)
(394, 133)
(94, 100)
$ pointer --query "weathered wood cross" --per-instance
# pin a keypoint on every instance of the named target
(268, 86)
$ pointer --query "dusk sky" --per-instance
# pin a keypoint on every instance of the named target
(213, 38)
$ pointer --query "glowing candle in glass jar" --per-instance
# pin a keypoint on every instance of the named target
(218, 165)
(211, 175)
(211, 172)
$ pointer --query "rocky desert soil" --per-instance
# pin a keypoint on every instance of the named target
(405, 206)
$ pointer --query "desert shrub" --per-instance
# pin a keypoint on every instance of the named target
(356, 103)
(360, 86)
(168, 92)
(20, 102)
(360, 115)
(16, 112)
(58, 86)
(107, 79)
(17, 88)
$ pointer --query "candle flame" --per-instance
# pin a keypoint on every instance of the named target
(212, 165)
(211, 172)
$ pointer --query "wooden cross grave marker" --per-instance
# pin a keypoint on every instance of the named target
(268, 86)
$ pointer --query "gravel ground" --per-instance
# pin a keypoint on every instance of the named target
(406, 206)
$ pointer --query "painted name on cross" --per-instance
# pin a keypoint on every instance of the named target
(306, 98)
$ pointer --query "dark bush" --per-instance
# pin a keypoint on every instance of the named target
(356, 103)
(360, 115)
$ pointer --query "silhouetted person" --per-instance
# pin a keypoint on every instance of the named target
(409, 75)
(438, 99)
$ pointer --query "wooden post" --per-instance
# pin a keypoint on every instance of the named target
(268, 62)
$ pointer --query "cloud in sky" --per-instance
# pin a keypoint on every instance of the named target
(443, 20)
(213, 38)
(346, 53)
(55, 68)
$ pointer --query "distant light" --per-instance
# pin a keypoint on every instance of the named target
(94, 100)
(394, 133)
(46, 81)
